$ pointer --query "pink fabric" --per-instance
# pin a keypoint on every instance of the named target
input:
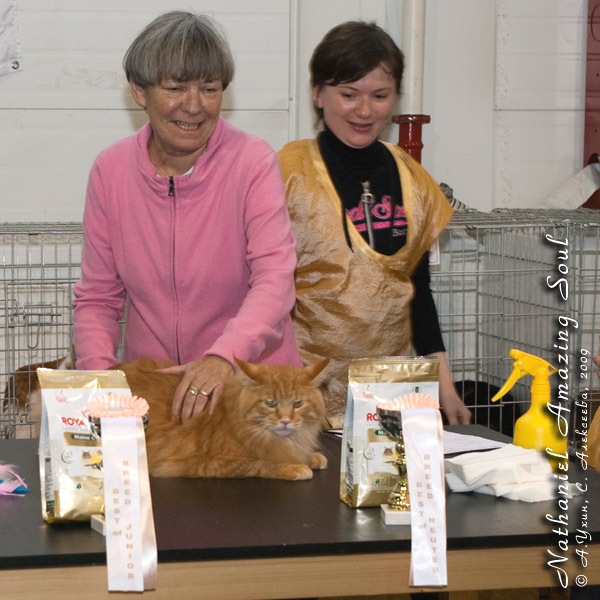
(208, 270)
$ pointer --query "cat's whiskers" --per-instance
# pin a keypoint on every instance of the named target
(257, 431)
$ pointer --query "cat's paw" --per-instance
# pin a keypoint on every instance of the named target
(317, 461)
(295, 472)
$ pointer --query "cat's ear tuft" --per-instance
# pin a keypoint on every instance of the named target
(249, 369)
(314, 369)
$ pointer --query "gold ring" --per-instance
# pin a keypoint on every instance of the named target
(205, 394)
(193, 390)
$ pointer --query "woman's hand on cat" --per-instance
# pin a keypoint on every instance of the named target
(201, 385)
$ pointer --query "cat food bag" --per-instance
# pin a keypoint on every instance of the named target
(70, 451)
(368, 474)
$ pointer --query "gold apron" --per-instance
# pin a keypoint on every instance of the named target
(353, 304)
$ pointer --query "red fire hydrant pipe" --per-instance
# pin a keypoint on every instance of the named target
(410, 133)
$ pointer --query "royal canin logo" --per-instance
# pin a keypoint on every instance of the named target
(73, 422)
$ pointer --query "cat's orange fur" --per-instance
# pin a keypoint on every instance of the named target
(267, 426)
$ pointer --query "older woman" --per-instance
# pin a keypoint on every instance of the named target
(364, 215)
(186, 227)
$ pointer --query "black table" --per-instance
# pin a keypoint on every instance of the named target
(255, 538)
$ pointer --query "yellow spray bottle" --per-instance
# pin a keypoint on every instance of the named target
(537, 428)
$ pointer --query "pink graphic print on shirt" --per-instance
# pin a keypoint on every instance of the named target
(381, 215)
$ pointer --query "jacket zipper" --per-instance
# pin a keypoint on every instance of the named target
(172, 195)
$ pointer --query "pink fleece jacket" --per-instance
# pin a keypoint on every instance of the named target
(202, 263)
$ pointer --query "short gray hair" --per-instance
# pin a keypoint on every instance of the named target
(182, 46)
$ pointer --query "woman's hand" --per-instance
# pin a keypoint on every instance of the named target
(450, 402)
(200, 386)
(454, 408)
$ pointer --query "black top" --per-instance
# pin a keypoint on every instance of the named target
(349, 168)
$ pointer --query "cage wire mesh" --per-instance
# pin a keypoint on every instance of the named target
(40, 264)
(497, 283)
(525, 280)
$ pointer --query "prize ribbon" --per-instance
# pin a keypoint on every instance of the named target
(422, 432)
(131, 554)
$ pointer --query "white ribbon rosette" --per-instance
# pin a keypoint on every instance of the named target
(422, 432)
(131, 554)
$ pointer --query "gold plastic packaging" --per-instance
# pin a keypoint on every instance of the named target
(367, 473)
(70, 452)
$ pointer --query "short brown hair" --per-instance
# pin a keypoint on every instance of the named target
(350, 51)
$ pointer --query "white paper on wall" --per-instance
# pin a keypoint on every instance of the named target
(10, 49)
(574, 192)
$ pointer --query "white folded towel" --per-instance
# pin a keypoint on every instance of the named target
(511, 472)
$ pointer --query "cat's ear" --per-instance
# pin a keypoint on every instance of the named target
(314, 369)
(249, 369)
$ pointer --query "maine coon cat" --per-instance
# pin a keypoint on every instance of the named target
(266, 423)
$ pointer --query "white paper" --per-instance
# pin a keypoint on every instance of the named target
(10, 48)
(457, 443)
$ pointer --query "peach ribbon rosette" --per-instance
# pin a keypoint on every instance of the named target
(422, 432)
(131, 555)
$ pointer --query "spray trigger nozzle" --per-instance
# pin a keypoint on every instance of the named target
(526, 364)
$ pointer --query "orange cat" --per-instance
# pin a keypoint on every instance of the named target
(265, 427)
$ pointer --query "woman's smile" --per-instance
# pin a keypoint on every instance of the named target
(187, 126)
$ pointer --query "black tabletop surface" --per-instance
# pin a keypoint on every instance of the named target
(212, 519)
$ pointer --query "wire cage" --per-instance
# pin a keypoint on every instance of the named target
(523, 279)
(40, 265)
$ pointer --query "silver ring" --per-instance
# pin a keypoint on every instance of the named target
(193, 390)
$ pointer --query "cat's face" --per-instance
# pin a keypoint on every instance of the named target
(281, 411)
(281, 400)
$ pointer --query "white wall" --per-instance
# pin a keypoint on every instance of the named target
(71, 99)
(460, 53)
(504, 86)
(539, 97)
